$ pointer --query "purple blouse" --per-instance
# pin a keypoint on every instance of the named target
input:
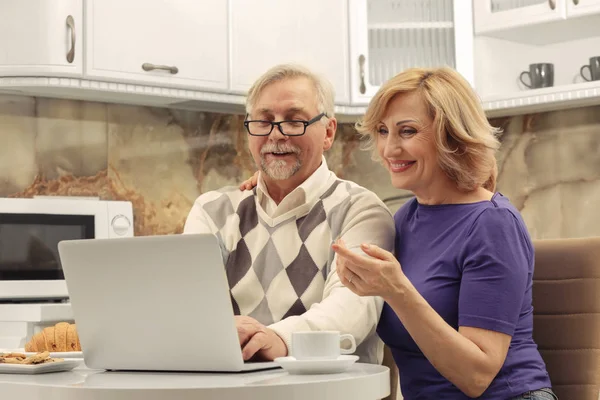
(473, 263)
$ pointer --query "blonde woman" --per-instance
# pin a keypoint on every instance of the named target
(458, 306)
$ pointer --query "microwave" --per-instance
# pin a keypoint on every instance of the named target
(30, 229)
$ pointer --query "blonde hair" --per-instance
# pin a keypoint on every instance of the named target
(323, 88)
(465, 140)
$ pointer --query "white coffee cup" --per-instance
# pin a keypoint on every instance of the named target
(320, 345)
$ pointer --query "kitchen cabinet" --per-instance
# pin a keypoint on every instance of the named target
(494, 15)
(169, 43)
(40, 37)
(269, 32)
(205, 54)
(576, 8)
(510, 35)
(388, 36)
(538, 22)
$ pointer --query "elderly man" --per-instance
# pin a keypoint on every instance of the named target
(276, 238)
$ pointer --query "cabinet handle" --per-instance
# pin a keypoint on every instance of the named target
(151, 67)
(361, 63)
(71, 25)
(552, 4)
(576, 2)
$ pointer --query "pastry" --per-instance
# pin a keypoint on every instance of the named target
(35, 359)
(73, 338)
(49, 338)
(58, 338)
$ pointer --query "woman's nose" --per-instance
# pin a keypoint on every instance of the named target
(392, 147)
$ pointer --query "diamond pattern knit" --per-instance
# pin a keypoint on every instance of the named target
(278, 268)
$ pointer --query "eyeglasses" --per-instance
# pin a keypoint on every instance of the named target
(287, 128)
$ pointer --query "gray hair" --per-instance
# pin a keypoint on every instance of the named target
(324, 89)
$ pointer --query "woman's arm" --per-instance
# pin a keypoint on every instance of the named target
(495, 274)
(469, 358)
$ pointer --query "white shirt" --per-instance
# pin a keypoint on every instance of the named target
(303, 194)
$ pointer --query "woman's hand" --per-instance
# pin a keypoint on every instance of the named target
(250, 183)
(377, 275)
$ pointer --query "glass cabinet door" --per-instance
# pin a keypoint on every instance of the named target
(389, 36)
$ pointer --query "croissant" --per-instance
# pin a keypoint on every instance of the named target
(58, 338)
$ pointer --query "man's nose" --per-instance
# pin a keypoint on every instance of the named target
(276, 134)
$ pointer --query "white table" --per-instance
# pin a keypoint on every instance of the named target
(360, 382)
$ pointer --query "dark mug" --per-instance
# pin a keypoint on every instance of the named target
(593, 67)
(540, 75)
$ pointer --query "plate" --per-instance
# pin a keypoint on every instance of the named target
(30, 369)
(313, 367)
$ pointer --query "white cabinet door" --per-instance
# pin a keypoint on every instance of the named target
(313, 33)
(497, 15)
(41, 37)
(181, 43)
(362, 87)
(389, 36)
(576, 8)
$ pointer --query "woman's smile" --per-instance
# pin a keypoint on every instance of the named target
(397, 166)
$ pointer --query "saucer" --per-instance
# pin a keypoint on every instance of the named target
(312, 367)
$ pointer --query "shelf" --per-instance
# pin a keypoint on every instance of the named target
(541, 100)
(549, 32)
(412, 25)
(538, 100)
(124, 93)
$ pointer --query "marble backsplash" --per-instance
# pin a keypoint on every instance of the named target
(549, 167)
(162, 159)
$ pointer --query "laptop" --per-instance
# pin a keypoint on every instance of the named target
(153, 303)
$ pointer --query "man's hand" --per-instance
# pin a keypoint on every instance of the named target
(259, 341)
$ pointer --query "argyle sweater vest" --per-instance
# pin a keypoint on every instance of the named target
(277, 268)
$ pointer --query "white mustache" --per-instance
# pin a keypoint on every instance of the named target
(276, 148)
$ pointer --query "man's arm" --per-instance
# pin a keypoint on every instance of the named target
(197, 220)
(255, 338)
(368, 221)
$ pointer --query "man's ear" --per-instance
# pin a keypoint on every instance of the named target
(330, 131)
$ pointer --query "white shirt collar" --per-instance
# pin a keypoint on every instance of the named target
(302, 194)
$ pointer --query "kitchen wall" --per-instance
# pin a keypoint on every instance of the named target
(550, 169)
(161, 160)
